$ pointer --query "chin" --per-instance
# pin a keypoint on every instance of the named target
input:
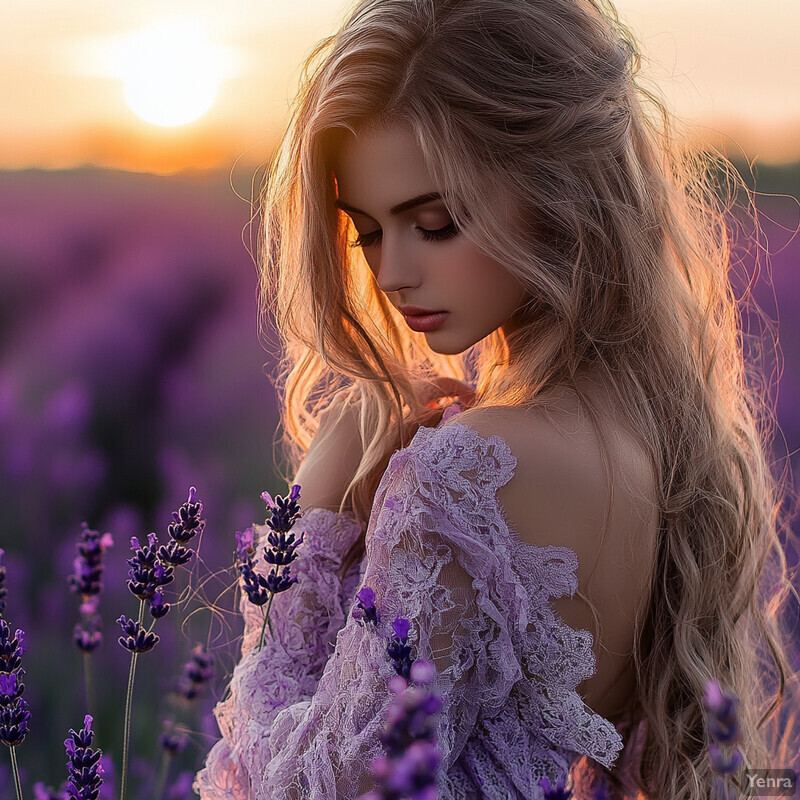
(448, 348)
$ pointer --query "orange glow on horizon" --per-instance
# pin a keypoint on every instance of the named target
(165, 151)
(156, 151)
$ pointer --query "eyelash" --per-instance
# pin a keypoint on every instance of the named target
(368, 239)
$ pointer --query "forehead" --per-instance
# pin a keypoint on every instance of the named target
(378, 168)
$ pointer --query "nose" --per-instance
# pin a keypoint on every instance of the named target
(395, 268)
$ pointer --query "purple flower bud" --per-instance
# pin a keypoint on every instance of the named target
(724, 763)
(557, 792)
(88, 639)
(409, 739)
(10, 686)
(399, 650)
(197, 672)
(267, 498)
(422, 672)
(158, 608)
(42, 792)
(173, 738)
(11, 648)
(86, 578)
(14, 714)
(89, 606)
(295, 492)
(245, 542)
(84, 765)
(14, 722)
(366, 602)
(721, 714)
(186, 522)
(367, 597)
(136, 639)
(174, 554)
(401, 627)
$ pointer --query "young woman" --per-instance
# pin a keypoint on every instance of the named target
(473, 201)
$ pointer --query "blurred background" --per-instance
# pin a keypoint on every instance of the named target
(132, 136)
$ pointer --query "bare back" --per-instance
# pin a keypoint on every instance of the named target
(559, 495)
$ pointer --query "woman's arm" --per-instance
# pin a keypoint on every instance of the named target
(337, 449)
(333, 457)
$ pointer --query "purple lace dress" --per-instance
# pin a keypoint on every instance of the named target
(303, 715)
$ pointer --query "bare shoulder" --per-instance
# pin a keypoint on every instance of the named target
(560, 494)
(560, 490)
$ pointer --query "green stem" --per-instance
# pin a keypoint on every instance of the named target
(87, 681)
(266, 622)
(15, 770)
(162, 776)
(126, 734)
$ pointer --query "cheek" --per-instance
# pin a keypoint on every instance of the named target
(492, 283)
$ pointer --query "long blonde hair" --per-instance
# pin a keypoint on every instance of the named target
(621, 236)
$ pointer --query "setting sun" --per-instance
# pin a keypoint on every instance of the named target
(171, 73)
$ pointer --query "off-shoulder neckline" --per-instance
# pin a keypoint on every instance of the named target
(513, 533)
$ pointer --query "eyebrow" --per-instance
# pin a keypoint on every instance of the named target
(406, 205)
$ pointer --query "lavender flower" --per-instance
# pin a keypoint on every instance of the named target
(88, 567)
(147, 574)
(186, 520)
(366, 602)
(281, 553)
(173, 738)
(84, 764)
(151, 568)
(557, 792)
(158, 608)
(721, 715)
(136, 638)
(14, 714)
(42, 792)
(253, 584)
(285, 510)
(412, 757)
(197, 672)
(174, 554)
(398, 649)
(87, 637)
(3, 590)
(245, 543)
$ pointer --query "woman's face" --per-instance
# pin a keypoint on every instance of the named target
(416, 254)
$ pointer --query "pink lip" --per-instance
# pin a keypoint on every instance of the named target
(417, 311)
(425, 323)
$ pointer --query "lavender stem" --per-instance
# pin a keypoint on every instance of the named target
(87, 681)
(162, 777)
(15, 770)
(266, 622)
(126, 735)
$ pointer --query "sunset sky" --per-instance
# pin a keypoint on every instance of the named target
(89, 81)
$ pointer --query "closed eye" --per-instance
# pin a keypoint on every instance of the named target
(370, 239)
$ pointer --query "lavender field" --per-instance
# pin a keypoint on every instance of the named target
(130, 370)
